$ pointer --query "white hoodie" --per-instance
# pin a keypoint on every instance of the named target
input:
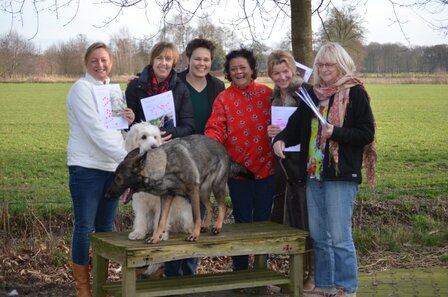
(90, 143)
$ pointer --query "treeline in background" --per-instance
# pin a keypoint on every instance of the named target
(21, 58)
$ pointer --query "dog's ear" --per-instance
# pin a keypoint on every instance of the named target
(141, 161)
(132, 154)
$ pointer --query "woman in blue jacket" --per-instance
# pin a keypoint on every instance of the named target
(331, 161)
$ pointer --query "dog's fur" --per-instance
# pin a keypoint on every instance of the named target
(193, 166)
(146, 206)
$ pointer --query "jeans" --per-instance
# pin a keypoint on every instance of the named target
(330, 211)
(185, 266)
(181, 267)
(92, 211)
(252, 202)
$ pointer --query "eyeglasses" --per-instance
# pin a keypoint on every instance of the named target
(326, 65)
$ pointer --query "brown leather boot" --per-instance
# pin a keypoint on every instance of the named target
(82, 280)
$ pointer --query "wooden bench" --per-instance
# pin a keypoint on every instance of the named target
(236, 239)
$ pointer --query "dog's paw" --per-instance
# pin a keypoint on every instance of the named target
(164, 236)
(151, 240)
(192, 237)
(156, 238)
(135, 235)
(204, 229)
(216, 231)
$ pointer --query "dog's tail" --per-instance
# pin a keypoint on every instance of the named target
(237, 169)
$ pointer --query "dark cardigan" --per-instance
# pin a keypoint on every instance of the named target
(357, 131)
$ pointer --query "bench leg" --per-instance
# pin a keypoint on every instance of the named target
(128, 285)
(296, 275)
(99, 275)
(260, 261)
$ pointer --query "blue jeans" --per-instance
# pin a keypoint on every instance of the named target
(185, 266)
(252, 202)
(330, 211)
(93, 212)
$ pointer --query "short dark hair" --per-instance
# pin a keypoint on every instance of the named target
(243, 53)
(197, 43)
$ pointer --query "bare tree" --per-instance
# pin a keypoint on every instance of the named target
(124, 48)
(344, 26)
(16, 52)
(257, 17)
(301, 32)
(69, 55)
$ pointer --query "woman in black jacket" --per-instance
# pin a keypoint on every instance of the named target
(330, 160)
(159, 77)
(289, 203)
(202, 85)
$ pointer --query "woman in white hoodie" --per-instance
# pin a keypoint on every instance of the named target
(93, 155)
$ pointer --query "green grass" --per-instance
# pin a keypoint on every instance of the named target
(411, 137)
(412, 140)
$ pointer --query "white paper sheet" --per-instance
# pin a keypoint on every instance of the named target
(111, 103)
(159, 110)
(279, 117)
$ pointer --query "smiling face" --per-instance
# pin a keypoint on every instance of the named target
(163, 64)
(200, 62)
(99, 64)
(240, 72)
(281, 76)
(328, 70)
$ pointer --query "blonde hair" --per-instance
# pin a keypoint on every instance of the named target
(333, 52)
(93, 47)
(278, 57)
(161, 47)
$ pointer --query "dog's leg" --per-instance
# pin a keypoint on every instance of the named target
(140, 228)
(195, 205)
(205, 199)
(165, 202)
(220, 198)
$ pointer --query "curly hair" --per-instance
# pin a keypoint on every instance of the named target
(197, 43)
(241, 53)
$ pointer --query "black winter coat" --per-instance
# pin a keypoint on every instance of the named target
(357, 131)
(137, 89)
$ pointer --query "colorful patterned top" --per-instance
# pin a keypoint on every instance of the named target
(239, 121)
(316, 151)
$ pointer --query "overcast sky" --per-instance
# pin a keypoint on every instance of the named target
(378, 16)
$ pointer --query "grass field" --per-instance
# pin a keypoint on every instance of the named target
(411, 138)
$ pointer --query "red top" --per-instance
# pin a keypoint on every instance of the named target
(239, 121)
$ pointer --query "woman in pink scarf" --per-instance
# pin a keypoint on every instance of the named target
(332, 161)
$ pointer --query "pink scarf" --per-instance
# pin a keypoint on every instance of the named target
(341, 89)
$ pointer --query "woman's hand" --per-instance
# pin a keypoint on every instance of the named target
(273, 130)
(327, 130)
(129, 115)
(279, 147)
(165, 137)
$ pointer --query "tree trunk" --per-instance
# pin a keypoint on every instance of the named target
(301, 32)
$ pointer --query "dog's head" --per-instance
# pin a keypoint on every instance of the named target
(127, 178)
(143, 136)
